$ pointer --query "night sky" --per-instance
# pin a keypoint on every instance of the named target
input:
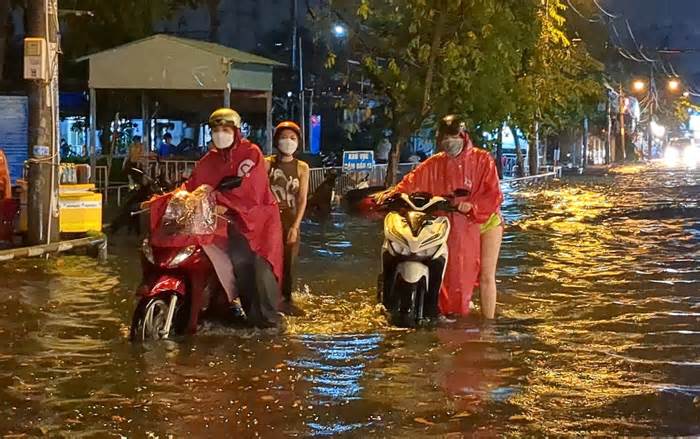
(661, 23)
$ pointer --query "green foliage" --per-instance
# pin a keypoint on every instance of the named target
(561, 82)
(673, 110)
(431, 57)
(115, 22)
(492, 61)
(482, 73)
(487, 60)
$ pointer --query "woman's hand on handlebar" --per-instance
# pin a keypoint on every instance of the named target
(381, 197)
(464, 207)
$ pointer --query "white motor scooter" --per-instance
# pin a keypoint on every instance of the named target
(414, 256)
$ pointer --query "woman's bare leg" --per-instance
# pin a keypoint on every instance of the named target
(490, 249)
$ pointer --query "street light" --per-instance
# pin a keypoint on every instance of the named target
(639, 85)
(674, 85)
(340, 31)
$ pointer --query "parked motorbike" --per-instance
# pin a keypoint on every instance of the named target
(320, 204)
(188, 148)
(359, 201)
(414, 256)
(180, 284)
(145, 188)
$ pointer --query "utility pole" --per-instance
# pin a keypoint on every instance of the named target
(295, 31)
(534, 159)
(608, 138)
(302, 103)
(584, 148)
(652, 94)
(43, 182)
(621, 148)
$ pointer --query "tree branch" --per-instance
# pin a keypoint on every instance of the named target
(434, 48)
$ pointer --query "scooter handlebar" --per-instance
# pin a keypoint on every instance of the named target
(229, 183)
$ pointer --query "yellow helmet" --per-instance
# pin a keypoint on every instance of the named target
(225, 117)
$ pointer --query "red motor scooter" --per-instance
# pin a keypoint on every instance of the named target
(180, 283)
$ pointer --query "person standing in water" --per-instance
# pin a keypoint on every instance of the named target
(491, 238)
(461, 166)
(289, 181)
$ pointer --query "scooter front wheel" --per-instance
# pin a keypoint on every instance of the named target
(157, 318)
(408, 304)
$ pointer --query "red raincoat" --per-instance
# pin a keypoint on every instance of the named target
(475, 170)
(5, 185)
(253, 205)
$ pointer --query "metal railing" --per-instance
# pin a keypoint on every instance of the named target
(348, 181)
(101, 177)
(546, 172)
(174, 169)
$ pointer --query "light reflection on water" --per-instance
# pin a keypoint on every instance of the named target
(598, 334)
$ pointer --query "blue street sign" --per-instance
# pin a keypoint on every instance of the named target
(358, 161)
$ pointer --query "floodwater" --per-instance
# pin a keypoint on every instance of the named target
(599, 333)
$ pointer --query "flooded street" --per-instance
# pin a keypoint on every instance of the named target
(599, 333)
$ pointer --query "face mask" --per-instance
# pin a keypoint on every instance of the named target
(287, 146)
(222, 139)
(452, 146)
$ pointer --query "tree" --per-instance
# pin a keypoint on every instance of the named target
(214, 19)
(672, 111)
(484, 96)
(429, 57)
(111, 24)
(6, 8)
(212, 7)
(559, 83)
(108, 26)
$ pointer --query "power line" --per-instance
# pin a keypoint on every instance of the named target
(636, 44)
(590, 20)
(620, 46)
(608, 14)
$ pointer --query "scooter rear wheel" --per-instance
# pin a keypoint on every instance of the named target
(150, 319)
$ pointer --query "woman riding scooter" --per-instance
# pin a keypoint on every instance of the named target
(255, 235)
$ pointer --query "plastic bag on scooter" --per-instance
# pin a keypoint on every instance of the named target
(190, 213)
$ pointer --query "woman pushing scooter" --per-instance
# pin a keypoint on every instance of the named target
(459, 167)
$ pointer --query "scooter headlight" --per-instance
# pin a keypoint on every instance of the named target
(400, 249)
(182, 256)
(147, 251)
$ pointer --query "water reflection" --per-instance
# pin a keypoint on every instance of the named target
(335, 367)
(598, 336)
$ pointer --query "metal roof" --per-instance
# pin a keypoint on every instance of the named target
(234, 55)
